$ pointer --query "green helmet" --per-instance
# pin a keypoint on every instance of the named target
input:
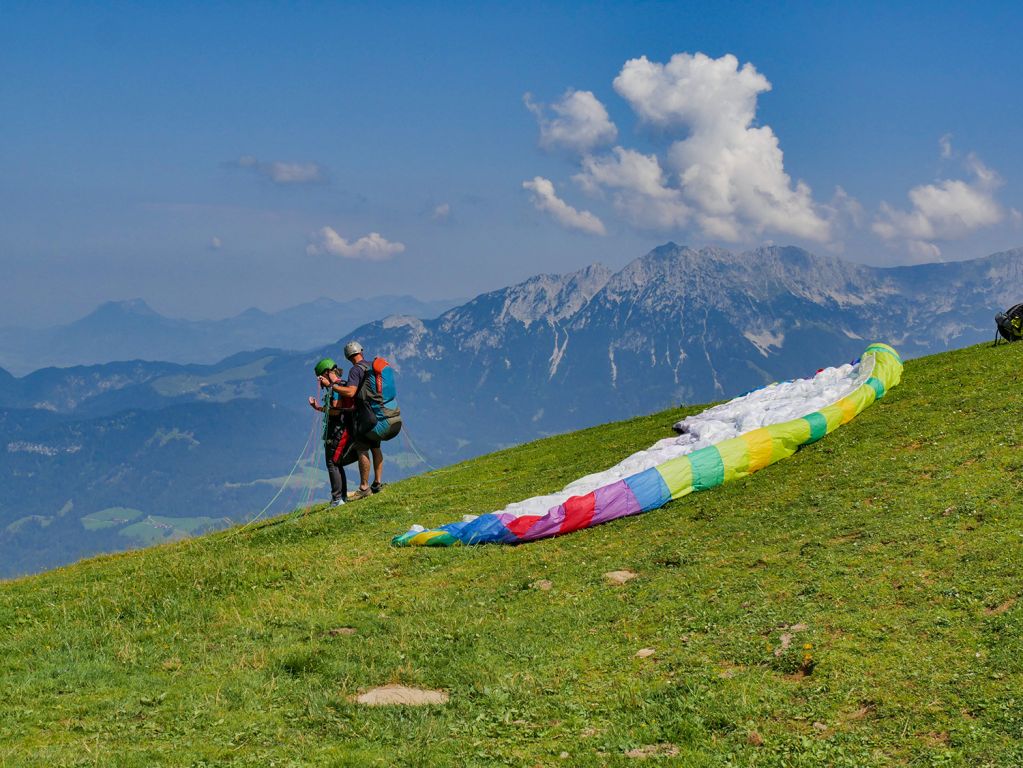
(326, 364)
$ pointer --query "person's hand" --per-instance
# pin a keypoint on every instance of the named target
(324, 382)
(312, 402)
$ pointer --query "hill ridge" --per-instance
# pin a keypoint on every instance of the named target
(855, 605)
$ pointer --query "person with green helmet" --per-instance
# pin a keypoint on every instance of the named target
(365, 444)
(334, 429)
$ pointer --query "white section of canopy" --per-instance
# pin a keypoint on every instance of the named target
(762, 407)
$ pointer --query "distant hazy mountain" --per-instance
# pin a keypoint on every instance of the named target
(131, 330)
(179, 446)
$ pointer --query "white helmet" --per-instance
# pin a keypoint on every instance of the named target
(353, 348)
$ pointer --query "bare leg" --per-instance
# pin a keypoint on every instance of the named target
(378, 464)
(363, 470)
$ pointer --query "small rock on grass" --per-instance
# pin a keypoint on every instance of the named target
(341, 631)
(620, 577)
(643, 653)
(400, 695)
(544, 585)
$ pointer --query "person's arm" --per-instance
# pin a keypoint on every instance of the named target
(344, 388)
(315, 405)
(338, 386)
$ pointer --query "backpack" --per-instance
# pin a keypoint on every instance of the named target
(1010, 324)
(375, 399)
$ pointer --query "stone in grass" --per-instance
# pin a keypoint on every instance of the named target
(400, 695)
(544, 585)
(643, 653)
(620, 577)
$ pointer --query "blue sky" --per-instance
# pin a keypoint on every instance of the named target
(212, 157)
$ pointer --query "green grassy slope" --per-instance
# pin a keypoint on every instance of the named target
(896, 541)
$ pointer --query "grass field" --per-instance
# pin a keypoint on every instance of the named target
(154, 529)
(886, 556)
(111, 517)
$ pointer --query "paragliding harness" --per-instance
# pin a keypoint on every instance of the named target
(377, 415)
(338, 433)
(1009, 324)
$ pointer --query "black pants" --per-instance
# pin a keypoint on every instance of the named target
(338, 480)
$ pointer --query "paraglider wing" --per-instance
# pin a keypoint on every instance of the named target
(722, 444)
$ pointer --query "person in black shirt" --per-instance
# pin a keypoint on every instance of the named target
(364, 444)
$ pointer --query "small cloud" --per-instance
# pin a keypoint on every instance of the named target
(844, 213)
(947, 210)
(923, 251)
(442, 212)
(283, 173)
(371, 247)
(1016, 216)
(294, 173)
(546, 199)
(580, 123)
(215, 243)
(945, 146)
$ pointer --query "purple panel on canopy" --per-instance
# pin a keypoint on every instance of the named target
(614, 501)
(548, 525)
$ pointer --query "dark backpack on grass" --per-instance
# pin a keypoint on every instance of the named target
(1010, 324)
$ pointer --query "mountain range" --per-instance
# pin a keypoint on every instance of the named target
(132, 330)
(178, 445)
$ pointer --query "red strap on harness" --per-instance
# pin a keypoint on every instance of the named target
(340, 447)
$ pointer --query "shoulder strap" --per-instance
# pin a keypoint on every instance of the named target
(365, 375)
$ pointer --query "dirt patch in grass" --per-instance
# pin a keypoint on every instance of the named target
(400, 695)
(619, 577)
(998, 610)
(859, 714)
(652, 750)
(341, 631)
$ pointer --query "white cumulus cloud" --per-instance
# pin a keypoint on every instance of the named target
(580, 122)
(546, 199)
(442, 212)
(711, 169)
(637, 186)
(946, 210)
(371, 247)
(692, 90)
(729, 172)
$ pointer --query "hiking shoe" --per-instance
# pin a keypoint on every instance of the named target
(360, 494)
(337, 503)
(377, 487)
